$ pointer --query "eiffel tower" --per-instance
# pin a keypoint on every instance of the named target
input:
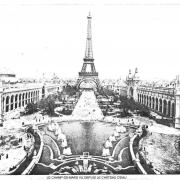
(88, 75)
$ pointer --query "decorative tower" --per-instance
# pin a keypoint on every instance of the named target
(132, 84)
(88, 74)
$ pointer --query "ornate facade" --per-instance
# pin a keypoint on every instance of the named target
(162, 100)
(12, 99)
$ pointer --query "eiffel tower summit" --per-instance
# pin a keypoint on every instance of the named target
(88, 77)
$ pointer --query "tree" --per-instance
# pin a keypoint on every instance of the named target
(48, 104)
(70, 90)
(31, 108)
(130, 104)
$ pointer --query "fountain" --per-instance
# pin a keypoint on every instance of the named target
(112, 138)
(67, 151)
(108, 144)
(64, 143)
(105, 152)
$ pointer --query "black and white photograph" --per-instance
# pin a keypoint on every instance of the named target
(89, 89)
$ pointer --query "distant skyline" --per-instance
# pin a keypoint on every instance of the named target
(49, 37)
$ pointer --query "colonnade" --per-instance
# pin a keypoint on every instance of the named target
(14, 100)
(162, 105)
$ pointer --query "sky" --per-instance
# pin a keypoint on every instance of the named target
(49, 37)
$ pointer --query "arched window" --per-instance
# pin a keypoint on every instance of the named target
(23, 99)
(153, 103)
(12, 102)
(173, 110)
(157, 104)
(29, 96)
(7, 103)
(26, 98)
(160, 105)
(150, 101)
(169, 108)
(145, 99)
(20, 100)
(165, 107)
(32, 97)
(16, 99)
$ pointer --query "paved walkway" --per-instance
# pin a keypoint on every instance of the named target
(87, 107)
(12, 152)
(152, 125)
(11, 131)
(155, 127)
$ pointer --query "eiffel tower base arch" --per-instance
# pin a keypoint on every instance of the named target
(88, 83)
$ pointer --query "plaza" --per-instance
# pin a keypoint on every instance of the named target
(92, 143)
(89, 126)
